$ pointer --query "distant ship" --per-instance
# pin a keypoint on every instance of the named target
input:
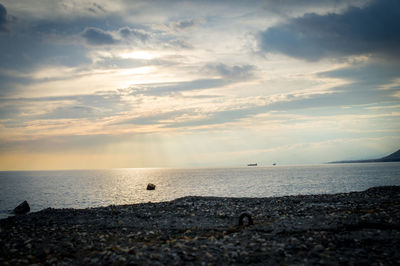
(252, 164)
(274, 164)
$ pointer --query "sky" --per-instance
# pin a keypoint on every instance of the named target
(206, 83)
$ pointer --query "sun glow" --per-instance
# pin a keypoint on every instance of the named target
(137, 71)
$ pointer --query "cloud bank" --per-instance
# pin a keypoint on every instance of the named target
(374, 29)
(116, 78)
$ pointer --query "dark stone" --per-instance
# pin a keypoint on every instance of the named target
(249, 219)
(151, 186)
(22, 208)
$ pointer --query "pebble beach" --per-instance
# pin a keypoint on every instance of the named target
(357, 228)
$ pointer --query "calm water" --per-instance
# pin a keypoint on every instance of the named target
(92, 188)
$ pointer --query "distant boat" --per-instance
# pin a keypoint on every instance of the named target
(252, 164)
(274, 164)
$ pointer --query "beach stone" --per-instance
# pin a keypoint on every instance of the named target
(23, 208)
(248, 217)
(167, 233)
(317, 249)
(151, 186)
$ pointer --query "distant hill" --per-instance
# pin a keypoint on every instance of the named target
(394, 157)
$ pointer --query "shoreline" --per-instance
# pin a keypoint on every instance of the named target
(350, 228)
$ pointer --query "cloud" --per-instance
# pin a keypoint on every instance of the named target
(91, 106)
(96, 36)
(96, 8)
(362, 89)
(3, 19)
(154, 119)
(373, 29)
(365, 86)
(220, 117)
(236, 72)
(178, 44)
(72, 112)
(370, 75)
(186, 24)
(131, 36)
(23, 55)
(176, 87)
(135, 34)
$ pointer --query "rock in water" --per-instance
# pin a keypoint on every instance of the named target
(151, 186)
(22, 208)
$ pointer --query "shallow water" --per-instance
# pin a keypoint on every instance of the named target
(93, 188)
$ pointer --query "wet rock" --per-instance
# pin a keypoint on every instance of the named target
(23, 208)
(151, 186)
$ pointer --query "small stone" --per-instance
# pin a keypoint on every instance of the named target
(151, 186)
(94, 260)
(132, 251)
(318, 248)
(189, 257)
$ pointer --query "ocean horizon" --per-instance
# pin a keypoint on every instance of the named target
(102, 187)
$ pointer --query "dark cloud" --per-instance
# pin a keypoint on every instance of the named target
(96, 36)
(70, 26)
(367, 75)
(135, 34)
(3, 19)
(236, 72)
(24, 53)
(96, 8)
(374, 29)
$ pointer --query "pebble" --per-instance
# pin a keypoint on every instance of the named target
(351, 228)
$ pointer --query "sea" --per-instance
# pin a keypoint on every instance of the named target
(94, 188)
